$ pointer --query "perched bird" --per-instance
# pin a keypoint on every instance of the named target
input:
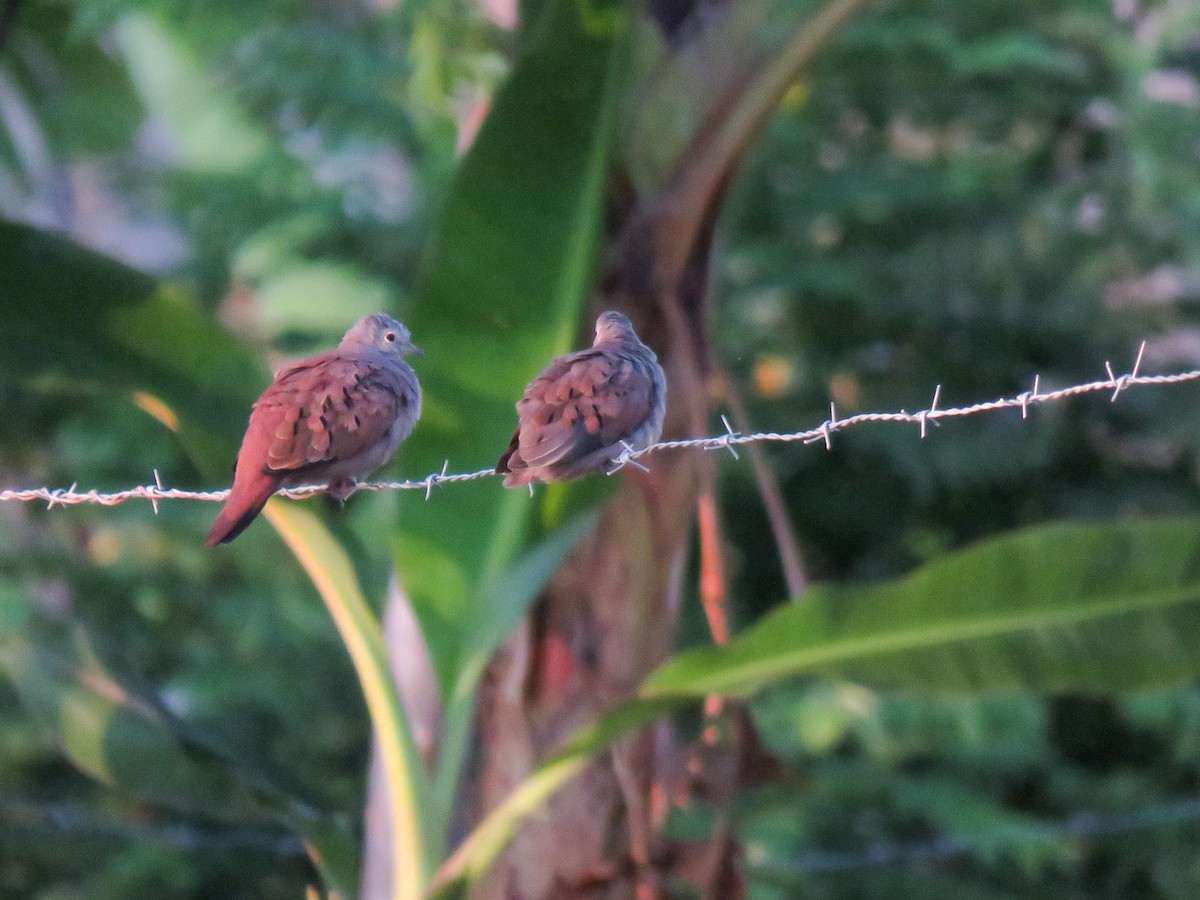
(329, 418)
(578, 415)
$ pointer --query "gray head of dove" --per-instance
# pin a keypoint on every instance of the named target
(381, 332)
(613, 326)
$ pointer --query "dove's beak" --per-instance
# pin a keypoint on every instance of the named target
(413, 348)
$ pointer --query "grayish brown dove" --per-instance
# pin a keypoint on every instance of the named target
(578, 415)
(331, 418)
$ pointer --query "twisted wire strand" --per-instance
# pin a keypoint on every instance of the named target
(822, 433)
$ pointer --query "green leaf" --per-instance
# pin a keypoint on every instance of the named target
(91, 107)
(507, 599)
(1005, 54)
(1068, 606)
(509, 269)
(741, 89)
(128, 742)
(319, 295)
(211, 133)
(107, 732)
(73, 320)
(510, 266)
(15, 609)
(1086, 607)
(331, 572)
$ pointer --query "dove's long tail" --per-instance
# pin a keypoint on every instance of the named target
(243, 506)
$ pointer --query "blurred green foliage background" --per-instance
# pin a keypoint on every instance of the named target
(962, 194)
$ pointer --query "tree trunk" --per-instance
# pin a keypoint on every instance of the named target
(607, 618)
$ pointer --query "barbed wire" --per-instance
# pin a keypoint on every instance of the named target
(822, 433)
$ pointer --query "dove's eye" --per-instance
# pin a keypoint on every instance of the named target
(390, 337)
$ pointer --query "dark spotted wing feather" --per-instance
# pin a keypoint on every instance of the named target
(584, 403)
(330, 407)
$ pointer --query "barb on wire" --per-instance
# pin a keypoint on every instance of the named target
(729, 441)
(723, 442)
(1029, 397)
(623, 460)
(429, 480)
(822, 432)
(924, 415)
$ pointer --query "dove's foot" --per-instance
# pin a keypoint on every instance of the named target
(342, 488)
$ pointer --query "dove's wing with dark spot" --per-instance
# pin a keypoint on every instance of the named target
(330, 407)
(582, 403)
(331, 418)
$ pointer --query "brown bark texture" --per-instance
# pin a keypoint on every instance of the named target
(606, 619)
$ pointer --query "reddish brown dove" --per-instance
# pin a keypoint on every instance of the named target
(581, 412)
(329, 418)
